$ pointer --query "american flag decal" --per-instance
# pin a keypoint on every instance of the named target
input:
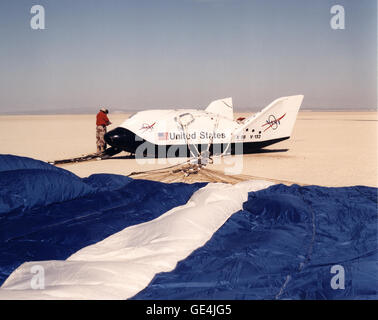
(163, 136)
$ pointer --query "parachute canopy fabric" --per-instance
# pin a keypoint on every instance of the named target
(276, 243)
(124, 263)
(49, 213)
(283, 245)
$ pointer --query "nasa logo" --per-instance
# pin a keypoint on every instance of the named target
(273, 122)
(146, 127)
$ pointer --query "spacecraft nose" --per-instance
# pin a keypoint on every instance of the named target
(119, 137)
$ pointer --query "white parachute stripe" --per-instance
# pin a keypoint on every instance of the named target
(123, 264)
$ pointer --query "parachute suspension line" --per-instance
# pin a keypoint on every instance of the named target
(201, 157)
(224, 153)
(212, 139)
(205, 154)
(157, 170)
(184, 127)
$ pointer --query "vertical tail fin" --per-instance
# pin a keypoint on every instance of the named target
(277, 119)
(222, 107)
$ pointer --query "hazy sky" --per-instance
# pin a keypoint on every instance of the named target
(141, 54)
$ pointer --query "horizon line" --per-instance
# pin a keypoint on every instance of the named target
(123, 111)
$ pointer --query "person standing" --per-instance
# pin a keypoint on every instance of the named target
(102, 121)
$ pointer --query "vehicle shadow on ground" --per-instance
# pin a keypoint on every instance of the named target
(261, 151)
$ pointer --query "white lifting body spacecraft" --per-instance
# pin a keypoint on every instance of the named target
(189, 132)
